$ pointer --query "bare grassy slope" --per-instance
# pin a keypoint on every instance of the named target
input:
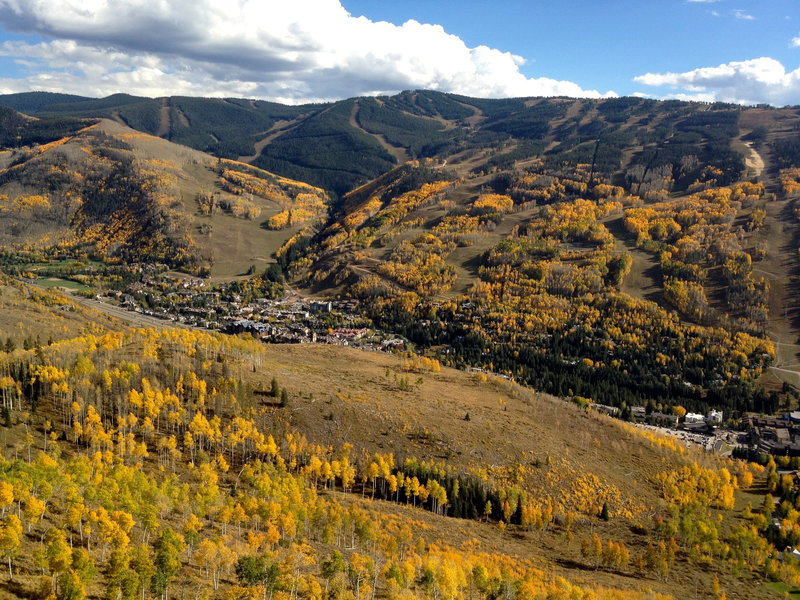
(32, 313)
(345, 394)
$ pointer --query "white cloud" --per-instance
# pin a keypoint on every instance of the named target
(760, 80)
(66, 66)
(301, 50)
(743, 15)
(795, 43)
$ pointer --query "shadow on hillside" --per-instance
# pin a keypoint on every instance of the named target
(790, 250)
(473, 264)
(568, 563)
(16, 590)
(652, 273)
(759, 489)
(617, 228)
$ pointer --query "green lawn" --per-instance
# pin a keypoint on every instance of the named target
(62, 263)
(782, 588)
(55, 282)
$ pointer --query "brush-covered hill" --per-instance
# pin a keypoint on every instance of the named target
(144, 462)
(32, 316)
(100, 190)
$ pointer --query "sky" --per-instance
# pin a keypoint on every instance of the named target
(296, 51)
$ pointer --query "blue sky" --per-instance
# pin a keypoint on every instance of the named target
(604, 44)
(308, 50)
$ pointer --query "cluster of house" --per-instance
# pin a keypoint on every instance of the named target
(779, 436)
(192, 307)
(691, 422)
(290, 320)
(297, 322)
(308, 330)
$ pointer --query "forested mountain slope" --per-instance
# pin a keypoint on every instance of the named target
(625, 250)
(621, 251)
(340, 145)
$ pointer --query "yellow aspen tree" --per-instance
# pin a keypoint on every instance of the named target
(10, 539)
(6, 496)
(59, 554)
(33, 511)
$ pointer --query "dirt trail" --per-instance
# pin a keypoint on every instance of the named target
(278, 129)
(182, 118)
(164, 124)
(792, 377)
(400, 154)
(116, 116)
(779, 264)
(754, 161)
(477, 114)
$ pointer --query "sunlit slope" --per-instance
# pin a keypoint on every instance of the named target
(176, 431)
(111, 193)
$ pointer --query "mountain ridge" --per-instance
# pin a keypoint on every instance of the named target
(420, 123)
(567, 202)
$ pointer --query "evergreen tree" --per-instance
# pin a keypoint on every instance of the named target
(167, 548)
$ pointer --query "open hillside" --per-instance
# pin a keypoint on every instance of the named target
(149, 461)
(34, 316)
(105, 192)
